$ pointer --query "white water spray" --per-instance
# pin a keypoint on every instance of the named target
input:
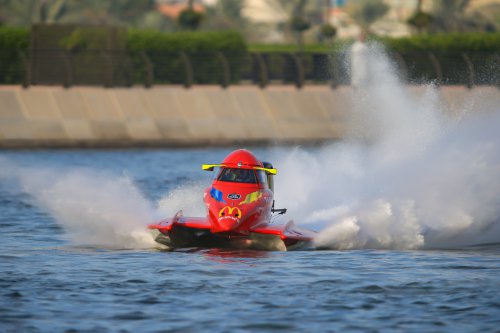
(186, 197)
(94, 208)
(408, 176)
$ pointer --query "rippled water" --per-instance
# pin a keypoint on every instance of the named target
(50, 281)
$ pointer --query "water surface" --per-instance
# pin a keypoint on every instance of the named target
(50, 282)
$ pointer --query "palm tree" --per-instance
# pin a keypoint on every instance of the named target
(452, 15)
(449, 14)
(366, 12)
(298, 23)
(227, 14)
(28, 12)
(420, 20)
(189, 19)
(419, 5)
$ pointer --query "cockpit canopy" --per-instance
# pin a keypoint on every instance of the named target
(241, 166)
(237, 175)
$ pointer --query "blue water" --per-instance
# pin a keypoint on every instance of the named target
(50, 282)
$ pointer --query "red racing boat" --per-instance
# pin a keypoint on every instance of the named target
(240, 212)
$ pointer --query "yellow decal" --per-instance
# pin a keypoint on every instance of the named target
(252, 197)
(272, 171)
(228, 211)
(210, 167)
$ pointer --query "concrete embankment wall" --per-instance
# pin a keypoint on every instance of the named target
(170, 115)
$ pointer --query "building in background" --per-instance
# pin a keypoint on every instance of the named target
(269, 18)
(260, 21)
(173, 8)
(393, 24)
(272, 15)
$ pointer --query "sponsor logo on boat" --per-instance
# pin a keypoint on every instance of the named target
(216, 194)
(233, 213)
(252, 197)
(234, 196)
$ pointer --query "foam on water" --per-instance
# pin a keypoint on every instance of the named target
(408, 176)
(95, 208)
(99, 208)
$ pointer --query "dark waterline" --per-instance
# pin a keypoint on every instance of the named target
(49, 284)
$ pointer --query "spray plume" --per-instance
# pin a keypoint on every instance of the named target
(409, 175)
(94, 208)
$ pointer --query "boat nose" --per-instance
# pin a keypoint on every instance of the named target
(228, 218)
(228, 223)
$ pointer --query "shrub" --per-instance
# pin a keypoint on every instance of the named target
(201, 48)
(190, 19)
(482, 50)
(328, 31)
(450, 42)
(13, 43)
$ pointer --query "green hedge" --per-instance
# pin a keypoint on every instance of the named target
(201, 48)
(451, 42)
(13, 42)
(292, 48)
(482, 50)
(190, 42)
(163, 49)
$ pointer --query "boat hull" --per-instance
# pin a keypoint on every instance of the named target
(186, 237)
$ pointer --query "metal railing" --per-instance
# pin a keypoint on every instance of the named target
(119, 68)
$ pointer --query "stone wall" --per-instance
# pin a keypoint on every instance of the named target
(174, 116)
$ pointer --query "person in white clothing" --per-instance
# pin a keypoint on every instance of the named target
(360, 63)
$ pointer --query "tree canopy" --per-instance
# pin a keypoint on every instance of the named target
(27, 12)
(366, 12)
